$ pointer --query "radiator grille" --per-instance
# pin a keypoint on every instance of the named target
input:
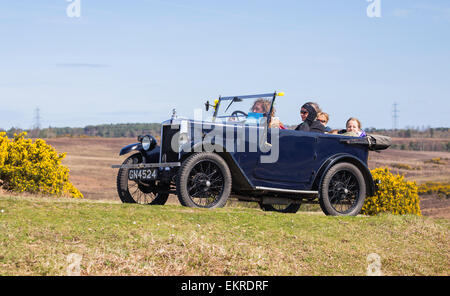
(167, 154)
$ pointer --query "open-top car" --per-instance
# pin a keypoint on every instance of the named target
(233, 153)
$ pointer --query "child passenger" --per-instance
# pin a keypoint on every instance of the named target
(353, 127)
(323, 118)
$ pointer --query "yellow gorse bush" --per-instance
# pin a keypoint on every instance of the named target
(394, 195)
(33, 167)
(441, 189)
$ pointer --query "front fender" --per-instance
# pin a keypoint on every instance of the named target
(150, 155)
(370, 186)
(240, 180)
(131, 147)
(198, 146)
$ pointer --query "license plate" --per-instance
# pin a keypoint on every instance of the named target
(143, 174)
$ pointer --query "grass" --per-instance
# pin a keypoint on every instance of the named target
(38, 234)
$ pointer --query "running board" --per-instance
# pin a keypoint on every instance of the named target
(286, 190)
(146, 165)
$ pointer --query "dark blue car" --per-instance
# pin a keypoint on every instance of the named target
(231, 152)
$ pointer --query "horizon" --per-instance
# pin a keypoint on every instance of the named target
(414, 128)
(114, 62)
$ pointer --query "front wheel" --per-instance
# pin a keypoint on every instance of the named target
(204, 181)
(343, 190)
(137, 191)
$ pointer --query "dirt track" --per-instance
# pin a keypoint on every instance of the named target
(90, 160)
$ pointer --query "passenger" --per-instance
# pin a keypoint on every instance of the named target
(263, 106)
(308, 113)
(353, 128)
(323, 118)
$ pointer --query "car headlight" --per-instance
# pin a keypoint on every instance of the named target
(146, 142)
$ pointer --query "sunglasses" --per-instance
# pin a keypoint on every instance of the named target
(321, 120)
(303, 112)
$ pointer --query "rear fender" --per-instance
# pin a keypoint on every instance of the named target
(370, 186)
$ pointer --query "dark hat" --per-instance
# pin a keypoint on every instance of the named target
(312, 113)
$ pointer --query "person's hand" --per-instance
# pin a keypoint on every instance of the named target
(276, 123)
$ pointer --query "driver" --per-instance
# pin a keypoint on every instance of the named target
(263, 106)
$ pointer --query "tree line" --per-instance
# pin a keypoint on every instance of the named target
(128, 130)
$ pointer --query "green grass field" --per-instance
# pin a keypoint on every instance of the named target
(38, 234)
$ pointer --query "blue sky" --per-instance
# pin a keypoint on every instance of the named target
(133, 61)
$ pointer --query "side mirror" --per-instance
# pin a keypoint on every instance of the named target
(207, 105)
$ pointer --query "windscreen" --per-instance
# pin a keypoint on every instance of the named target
(248, 111)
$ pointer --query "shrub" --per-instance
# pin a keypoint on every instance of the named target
(394, 195)
(437, 160)
(441, 189)
(33, 167)
(402, 166)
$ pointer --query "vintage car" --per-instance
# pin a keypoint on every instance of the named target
(232, 152)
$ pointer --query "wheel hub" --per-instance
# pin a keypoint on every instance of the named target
(341, 189)
(203, 181)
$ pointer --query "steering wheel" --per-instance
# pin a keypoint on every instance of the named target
(235, 114)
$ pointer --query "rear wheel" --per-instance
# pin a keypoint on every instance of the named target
(343, 190)
(289, 208)
(137, 191)
(204, 181)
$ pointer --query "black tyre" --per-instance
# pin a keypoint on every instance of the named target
(343, 190)
(136, 191)
(204, 181)
(289, 208)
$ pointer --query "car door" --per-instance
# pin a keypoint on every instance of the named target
(296, 162)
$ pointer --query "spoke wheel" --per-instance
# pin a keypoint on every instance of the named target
(137, 191)
(343, 190)
(204, 181)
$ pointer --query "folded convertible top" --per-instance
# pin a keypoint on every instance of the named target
(374, 142)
